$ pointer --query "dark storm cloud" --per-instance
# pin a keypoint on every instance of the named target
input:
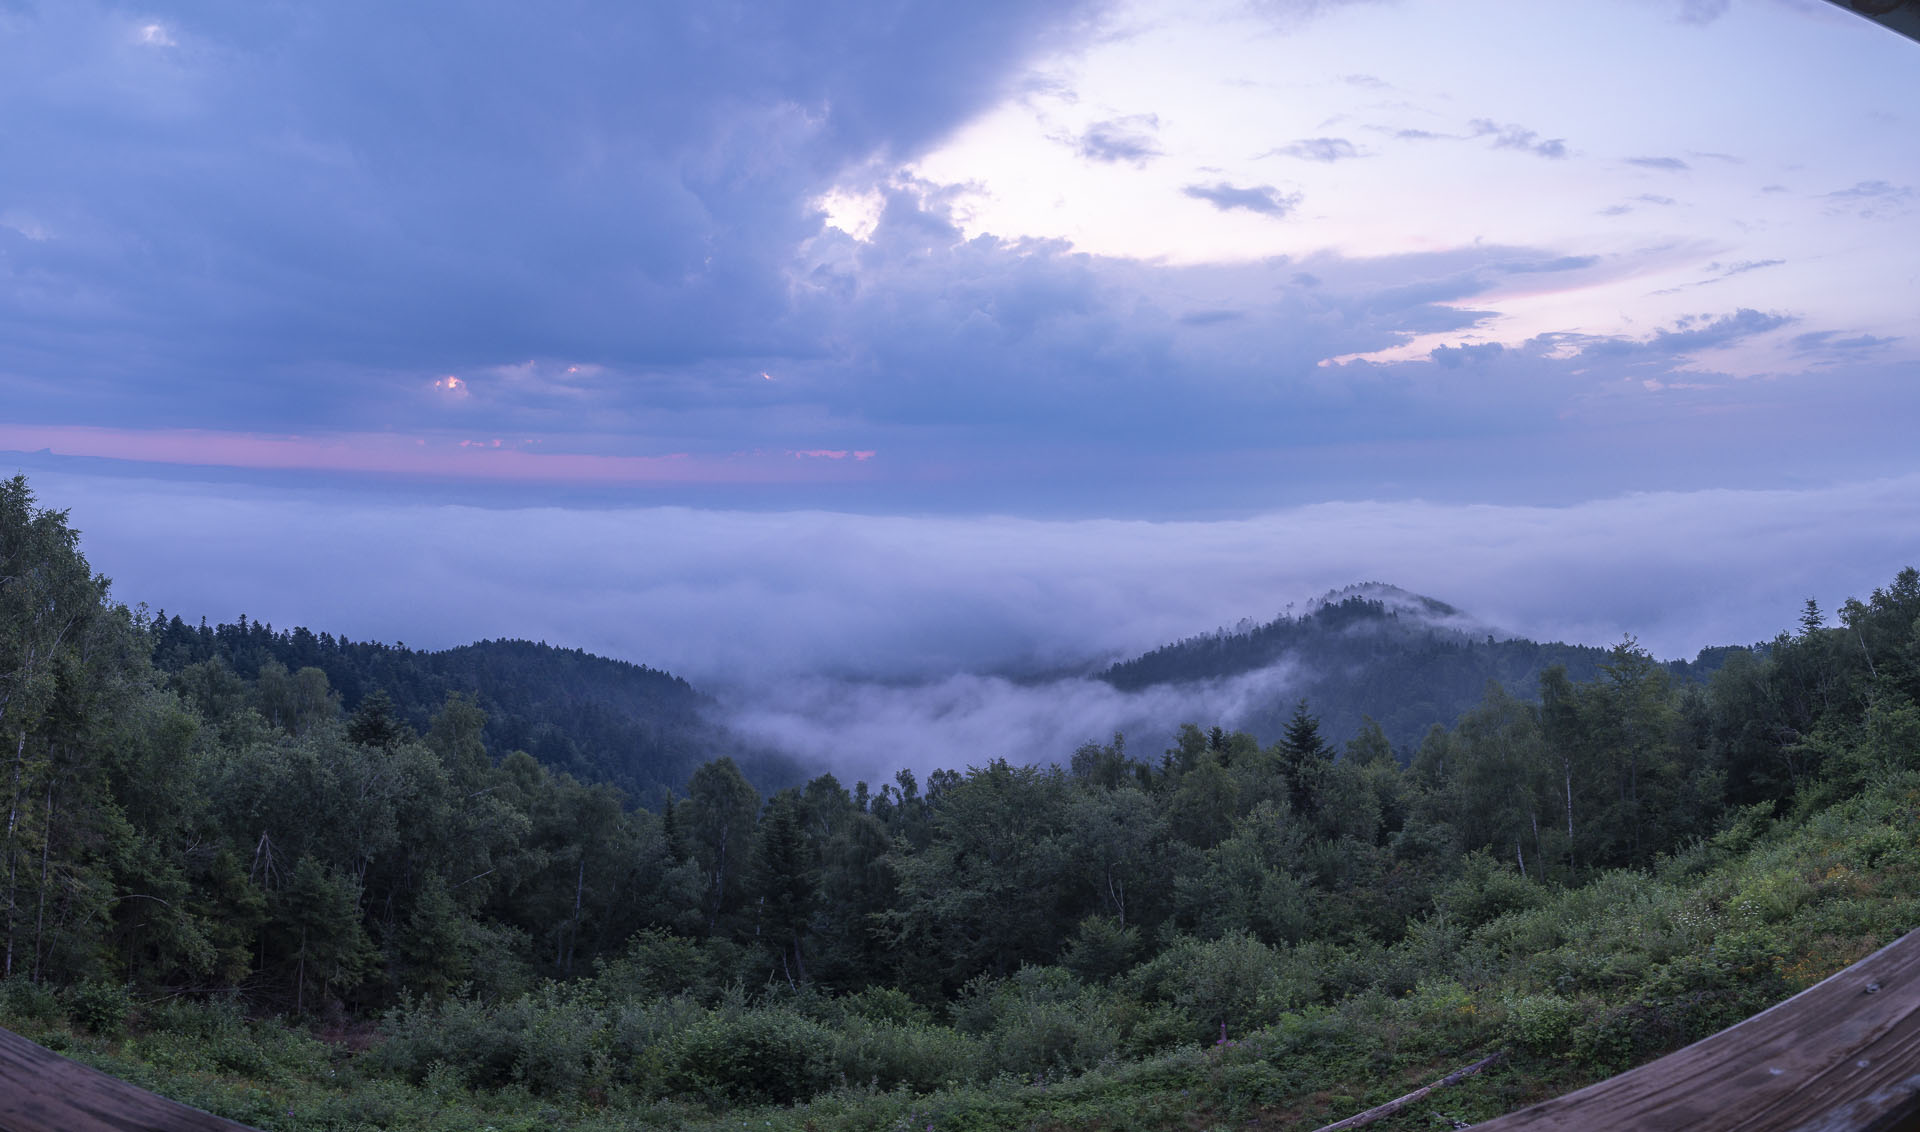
(1518, 137)
(1263, 199)
(1129, 139)
(266, 212)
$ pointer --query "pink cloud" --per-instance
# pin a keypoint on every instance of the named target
(387, 453)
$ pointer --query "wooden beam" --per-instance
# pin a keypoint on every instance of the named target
(40, 1091)
(1840, 1056)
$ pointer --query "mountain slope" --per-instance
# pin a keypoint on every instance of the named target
(1406, 660)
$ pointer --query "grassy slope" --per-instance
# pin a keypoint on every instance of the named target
(1579, 984)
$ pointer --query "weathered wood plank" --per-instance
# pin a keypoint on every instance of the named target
(40, 1091)
(1840, 1056)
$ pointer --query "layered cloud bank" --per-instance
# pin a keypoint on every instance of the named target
(735, 597)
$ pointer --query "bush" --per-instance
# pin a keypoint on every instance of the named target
(101, 1007)
(1034, 1036)
(549, 1042)
(914, 1055)
(1235, 981)
(758, 1056)
(1543, 1023)
(27, 1001)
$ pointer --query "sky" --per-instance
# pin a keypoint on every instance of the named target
(762, 340)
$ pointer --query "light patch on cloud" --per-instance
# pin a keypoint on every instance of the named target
(26, 224)
(855, 212)
(1263, 199)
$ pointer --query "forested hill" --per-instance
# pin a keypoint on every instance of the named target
(1406, 660)
(598, 719)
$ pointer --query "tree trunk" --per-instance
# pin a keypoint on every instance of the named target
(13, 821)
(40, 912)
(573, 935)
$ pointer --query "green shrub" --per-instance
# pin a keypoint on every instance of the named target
(549, 1042)
(759, 1056)
(1234, 981)
(26, 1000)
(882, 1004)
(103, 1008)
(1543, 1023)
(1034, 1036)
(913, 1055)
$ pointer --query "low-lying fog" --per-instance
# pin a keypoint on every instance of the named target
(867, 642)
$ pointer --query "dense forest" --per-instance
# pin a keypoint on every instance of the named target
(601, 720)
(221, 883)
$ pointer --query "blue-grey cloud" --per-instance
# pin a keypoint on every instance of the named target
(1264, 199)
(1695, 333)
(1317, 149)
(1129, 139)
(1835, 344)
(1559, 263)
(1873, 200)
(1519, 137)
(1664, 164)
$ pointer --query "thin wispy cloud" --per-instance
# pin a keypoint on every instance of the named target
(1518, 137)
(1324, 150)
(1130, 140)
(1873, 200)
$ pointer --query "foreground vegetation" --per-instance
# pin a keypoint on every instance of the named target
(227, 889)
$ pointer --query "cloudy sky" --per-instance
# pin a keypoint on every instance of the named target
(855, 337)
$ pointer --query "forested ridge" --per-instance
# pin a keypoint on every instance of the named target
(601, 720)
(223, 884)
